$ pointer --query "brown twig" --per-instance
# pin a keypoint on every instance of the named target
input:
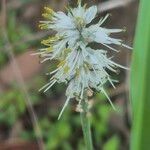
(20, 80)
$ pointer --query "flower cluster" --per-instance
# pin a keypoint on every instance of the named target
(80, 66)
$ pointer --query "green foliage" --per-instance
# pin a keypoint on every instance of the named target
(66, 134)
(3, 58)
(12, 103)
(56, 135)
(100, 119)
(16, 31)
(140, 81)
(112, 144)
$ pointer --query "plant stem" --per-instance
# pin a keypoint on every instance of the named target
(86, 125)
(140, 81)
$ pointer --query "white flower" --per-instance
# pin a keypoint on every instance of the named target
(81, 67)
(87, 15)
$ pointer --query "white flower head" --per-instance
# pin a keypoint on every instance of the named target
(80, 66)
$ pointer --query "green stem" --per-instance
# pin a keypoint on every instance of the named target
(140, 81)
(86, 125)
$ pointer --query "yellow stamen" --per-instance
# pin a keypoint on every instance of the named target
(45, 15)
(48, 10)
(50, 40)
(49, 49)
(80, 22)
(66, 69)
(67, 50)
(61, 63)
(49, 13)
(43, 26)
(45, 42)
(77, 72)
(53, 39)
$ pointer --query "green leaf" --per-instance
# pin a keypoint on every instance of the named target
(140, 81)
(112, 144)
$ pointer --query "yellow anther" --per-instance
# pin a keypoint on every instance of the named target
(49, 10)
(43, 26)
(53, 39)
(124, 29)
(45, 15)
(49, 49)
(66, 69)
(50, 40)
(80, 22)
(48, 13)
(45, 42)
(61, 63)
(77, 72)
(67, 50)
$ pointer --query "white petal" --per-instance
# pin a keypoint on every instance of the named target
(109, 31)
(65, 105)
(100, 35)
(78, 12)
(102, 20)
(90, 14)
(64, 21)
(50, 85)
(103, 91)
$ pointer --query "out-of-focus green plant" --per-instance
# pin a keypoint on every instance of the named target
(66, 134)
(112, 144)
(140, 81)
(16, 31)
(56, 136)
(100, 124)
(12, 106)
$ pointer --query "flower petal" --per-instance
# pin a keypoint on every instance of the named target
(90, 14)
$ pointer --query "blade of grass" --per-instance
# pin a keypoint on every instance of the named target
(140, 81)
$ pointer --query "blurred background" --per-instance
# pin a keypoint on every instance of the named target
(28, 118)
